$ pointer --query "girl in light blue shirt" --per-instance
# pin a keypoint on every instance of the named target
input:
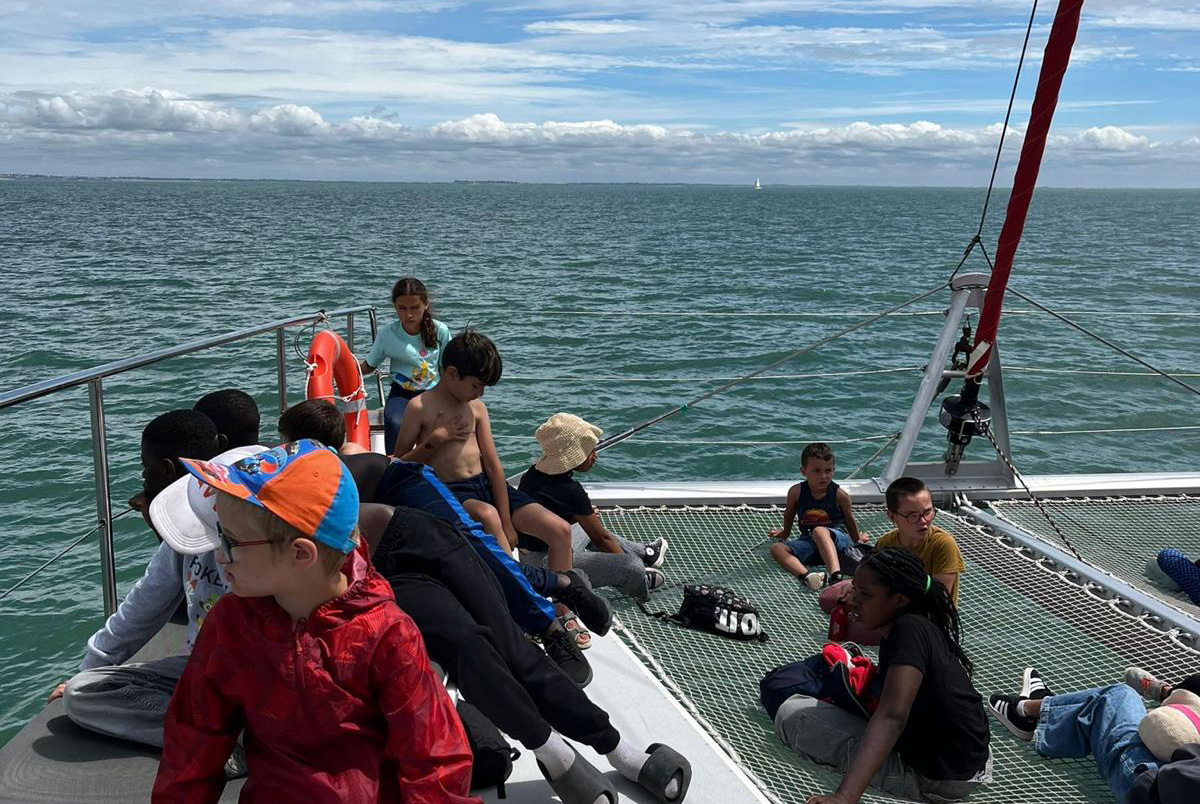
(414, 345)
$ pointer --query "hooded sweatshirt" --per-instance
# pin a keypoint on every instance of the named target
(341, 706)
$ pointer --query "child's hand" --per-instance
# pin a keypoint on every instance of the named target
(460, 429)
(863, 537)
(833, 799)
(58, 692)
(776, 533)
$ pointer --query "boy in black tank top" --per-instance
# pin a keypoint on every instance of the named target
(826, 522)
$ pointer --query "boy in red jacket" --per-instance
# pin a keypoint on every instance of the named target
(310, 654)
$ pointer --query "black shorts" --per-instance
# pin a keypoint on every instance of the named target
(478, 488)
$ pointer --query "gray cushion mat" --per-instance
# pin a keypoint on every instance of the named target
(54, 761)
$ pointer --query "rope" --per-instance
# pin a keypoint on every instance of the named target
(608, 442)
(1007, 115)
(60, 554)
(809, 376)
(1106, 342)
(875, 455)
(986, 429)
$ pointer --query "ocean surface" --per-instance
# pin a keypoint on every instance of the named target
(614, 302)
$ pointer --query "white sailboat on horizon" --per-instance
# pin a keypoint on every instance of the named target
(757, 184)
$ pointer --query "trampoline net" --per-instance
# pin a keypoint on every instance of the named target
(1118, 534)
(1016, 612)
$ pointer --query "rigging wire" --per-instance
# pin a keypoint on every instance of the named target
(608, 442)
(977, 239)
(60, 554)
(1106, 342)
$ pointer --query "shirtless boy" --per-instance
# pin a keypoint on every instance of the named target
(448, 428)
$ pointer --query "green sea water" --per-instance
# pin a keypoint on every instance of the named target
(613, 302)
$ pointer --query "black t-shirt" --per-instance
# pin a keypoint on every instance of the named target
(562, 494)
(946, 736)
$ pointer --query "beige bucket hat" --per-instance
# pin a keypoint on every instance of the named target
(566, 442)
(1172, 725)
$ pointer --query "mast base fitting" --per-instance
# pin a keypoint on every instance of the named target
(959, 417)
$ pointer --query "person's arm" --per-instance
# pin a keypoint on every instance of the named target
(374, 357)
(600, 535)
(141, 614)
(948, 563)
(883, 730)
(426, 743)
(789, 514)
(199, 730)
(493, 468)
(406, 447)
(844, 503)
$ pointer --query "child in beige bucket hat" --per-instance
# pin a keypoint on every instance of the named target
(569, 445)
(567, 441)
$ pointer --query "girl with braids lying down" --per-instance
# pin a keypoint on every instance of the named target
(928, 738)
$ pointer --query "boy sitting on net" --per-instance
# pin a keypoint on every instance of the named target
(826, 526)
(448, 428)
(309, 654)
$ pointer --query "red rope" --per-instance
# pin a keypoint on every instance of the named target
(1054, 66)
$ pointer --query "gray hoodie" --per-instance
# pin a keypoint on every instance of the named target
(169, 577)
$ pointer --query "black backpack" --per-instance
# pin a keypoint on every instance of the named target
(718, 610)
(493, 757)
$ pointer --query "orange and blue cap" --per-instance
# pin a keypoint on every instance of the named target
(303, 483)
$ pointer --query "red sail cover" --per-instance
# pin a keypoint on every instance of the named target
(1054, 66)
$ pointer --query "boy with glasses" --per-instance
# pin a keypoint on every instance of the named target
(910, 508)
(309, 654)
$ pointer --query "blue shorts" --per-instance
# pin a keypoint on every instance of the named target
(804, 549)
(477, 487)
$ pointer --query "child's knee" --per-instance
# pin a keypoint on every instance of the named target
(559, 533)
(780, 552)
(821, 534)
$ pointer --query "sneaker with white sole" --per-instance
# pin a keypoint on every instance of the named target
(814, 580)
(1005, 709)
(654, 553)
(655, 580)
(1032, 685)
(1149, 687)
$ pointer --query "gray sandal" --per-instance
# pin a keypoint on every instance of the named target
(582, 783)
(665, 764)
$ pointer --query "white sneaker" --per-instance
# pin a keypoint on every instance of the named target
(655, 580)
(814, 580)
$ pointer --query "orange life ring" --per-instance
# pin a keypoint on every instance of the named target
(331, 362)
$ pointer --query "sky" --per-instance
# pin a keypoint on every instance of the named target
(904, 92)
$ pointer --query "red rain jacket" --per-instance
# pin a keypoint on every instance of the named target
(339, 707)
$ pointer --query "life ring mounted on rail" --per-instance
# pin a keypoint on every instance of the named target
(330, 363)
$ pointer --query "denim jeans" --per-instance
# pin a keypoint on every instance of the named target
(1101, 722)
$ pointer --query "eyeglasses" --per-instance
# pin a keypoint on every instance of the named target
(227, 544)
(915, 518)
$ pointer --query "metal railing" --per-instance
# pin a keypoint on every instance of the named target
(94, 379)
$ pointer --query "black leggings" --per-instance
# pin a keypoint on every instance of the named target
(457, 604)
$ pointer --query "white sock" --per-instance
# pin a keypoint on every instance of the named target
(629, 760)
(1023, 707)
(556, 755)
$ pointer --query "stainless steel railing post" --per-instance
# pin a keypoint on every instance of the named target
(281, 368)
(350, 331)
(108, 559)
(374, 335)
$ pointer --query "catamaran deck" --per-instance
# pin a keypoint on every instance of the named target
(1020, 606)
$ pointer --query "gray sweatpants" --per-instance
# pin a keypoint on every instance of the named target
(127, 700)
(830, 735)
(626, 572)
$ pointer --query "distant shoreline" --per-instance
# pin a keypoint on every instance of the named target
(36, 177)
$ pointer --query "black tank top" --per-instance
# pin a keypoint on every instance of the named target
(812, 513)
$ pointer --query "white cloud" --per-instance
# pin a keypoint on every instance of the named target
(181, 135)
(591, 28)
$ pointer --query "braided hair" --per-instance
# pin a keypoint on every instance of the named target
(411, 286)
(901, 571)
